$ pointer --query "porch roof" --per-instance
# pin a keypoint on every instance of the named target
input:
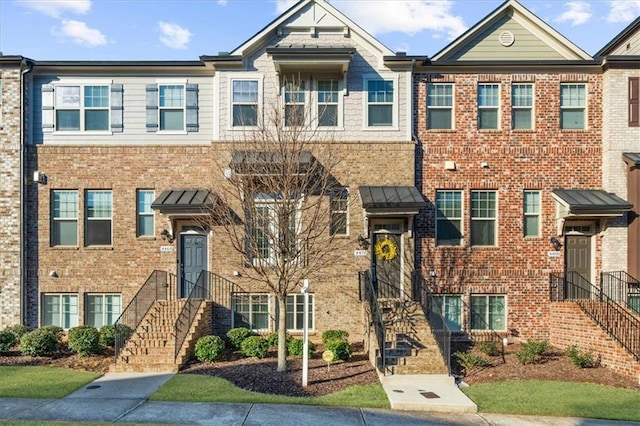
(391, 199)
(183, 201)
(590, 202)
(633, 157)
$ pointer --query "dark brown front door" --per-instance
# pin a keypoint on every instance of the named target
(578, 259)
(386, 258)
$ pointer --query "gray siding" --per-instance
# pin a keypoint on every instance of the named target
(633, 44)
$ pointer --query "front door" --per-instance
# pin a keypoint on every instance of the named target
(387, 264)
(578, 259)
(193, 260)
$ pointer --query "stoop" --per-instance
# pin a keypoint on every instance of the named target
(426, 392)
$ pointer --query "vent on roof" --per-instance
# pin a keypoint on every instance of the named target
(506, 38)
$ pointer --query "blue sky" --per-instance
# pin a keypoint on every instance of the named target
(184, 30)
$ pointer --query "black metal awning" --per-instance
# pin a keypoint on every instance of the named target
(590, 202)
(405, 200)
(267, 162)
(183, 201)
(632, 158)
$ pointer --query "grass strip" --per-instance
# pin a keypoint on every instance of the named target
(41, 382)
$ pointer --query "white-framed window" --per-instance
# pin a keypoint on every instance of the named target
(329, 103)
(484, 210)
(339, 211)
(251, 311)
(102, 309)
(82, 108)
(573, 106)
(488, 312)
(531, 213)
(450, 307)
(64, 218)
(440, 106)
(146, 218)
(171, 107)
(99, 206)
(488, 106)
(295, 98)
(244, 102)
(522, 106)
(295, 312)
(381, 101)
(448, 218)
(275, 227)
(60, 310)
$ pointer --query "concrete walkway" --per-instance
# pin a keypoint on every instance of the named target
(122, 398)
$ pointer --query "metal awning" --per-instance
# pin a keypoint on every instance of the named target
(405, 200)
(266, 162)
(589, 203)
(632, 158)
(183, 201)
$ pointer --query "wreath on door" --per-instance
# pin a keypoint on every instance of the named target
(386, 250)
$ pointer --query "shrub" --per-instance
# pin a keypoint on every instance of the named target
(334, 335)
(469, 360)
(108, 335)
(582, 358)
(40, 342)
(237, 335)
(209, 348)
(54, 329)
(18, 330)
(255, 347)
(341, 349)
(488, 348)
(7, 340)
(532, 351)
(296, 347)
(85, 340)
(272, 339)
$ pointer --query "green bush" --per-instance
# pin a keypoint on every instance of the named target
(40, 342)
(469, 360)
(18, 330)
(108, 335)
(272, 339)
(488, 348)
(296, 347)
(341, 349)
(237, 335)
(532, 351)
(85, 340)
(255, 347)
(7, 340)
(329, 335)
(54, 329)
(209, 348)
(582, 358)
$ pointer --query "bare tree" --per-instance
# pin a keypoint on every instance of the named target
(275, 203)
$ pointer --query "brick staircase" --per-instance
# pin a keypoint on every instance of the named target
(410, 347)
(151, 348)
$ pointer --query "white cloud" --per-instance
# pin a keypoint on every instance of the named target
(623, 10)
(222, 2)
(577, 13)
(80, 33)
(282, 5)
(56, 8)
(174, 36)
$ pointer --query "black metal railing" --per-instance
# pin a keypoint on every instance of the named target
(190, 307)
(621, 287)
(621, 325)
(160, 285)
(220, 291)
(369, 294)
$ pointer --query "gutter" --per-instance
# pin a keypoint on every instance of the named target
(23, 186)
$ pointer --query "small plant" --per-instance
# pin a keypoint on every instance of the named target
(54, 329)
(237, 335)
(40, 342)
(296, 347)
(488, 348)
(85, 340)
(18, 330)
(272, 339)
(469, 360)
(532, 351)
(341, 349)
(582, 358)
(255, 347)
(108, 335)
(209, 348)
(334, 335)
(7, 340)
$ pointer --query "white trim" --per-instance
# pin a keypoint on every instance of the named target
(245, 76)
(394, 106)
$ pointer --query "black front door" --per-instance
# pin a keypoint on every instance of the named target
(578, 259)
(193, 260)
(386, 260)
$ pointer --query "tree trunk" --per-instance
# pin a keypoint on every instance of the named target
(282, 332)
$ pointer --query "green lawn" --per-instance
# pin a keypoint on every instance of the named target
(41, 382)
(549, 398)
(198, 388)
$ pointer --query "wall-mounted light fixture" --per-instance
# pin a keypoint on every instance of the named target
(363, 242)
(54, 274)
(557, 245)
(39, 177)
(166, 236)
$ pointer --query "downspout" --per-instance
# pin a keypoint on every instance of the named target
(23, 186)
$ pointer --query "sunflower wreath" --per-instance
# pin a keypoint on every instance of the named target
(386, 250)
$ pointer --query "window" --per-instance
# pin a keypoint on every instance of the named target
(488, 106)
(573, 102)
(380, 98)
(245, 103)
(64, 218)
(522, 106)
(450, 307)
(634, 101)
(449, 218)
(440, 106)
(251, 311)
(294, 103)
(483, 218)
(60, 310)
(633, 302)
(328, 99)
(295, 312)
(274, 229)
(531, 213)
(146, 225)
(102, 309)
(339, 204)
(488, 313)
(171, 106)
(98, 211)
(82, 108)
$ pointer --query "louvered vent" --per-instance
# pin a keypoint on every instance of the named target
(506, 38)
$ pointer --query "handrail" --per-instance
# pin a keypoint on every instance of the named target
(370, 296)
(220, 290)
(190, 308)
(619, 286)
(606, 312)
(160, 285)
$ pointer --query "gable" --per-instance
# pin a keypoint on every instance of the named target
(626, 43)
